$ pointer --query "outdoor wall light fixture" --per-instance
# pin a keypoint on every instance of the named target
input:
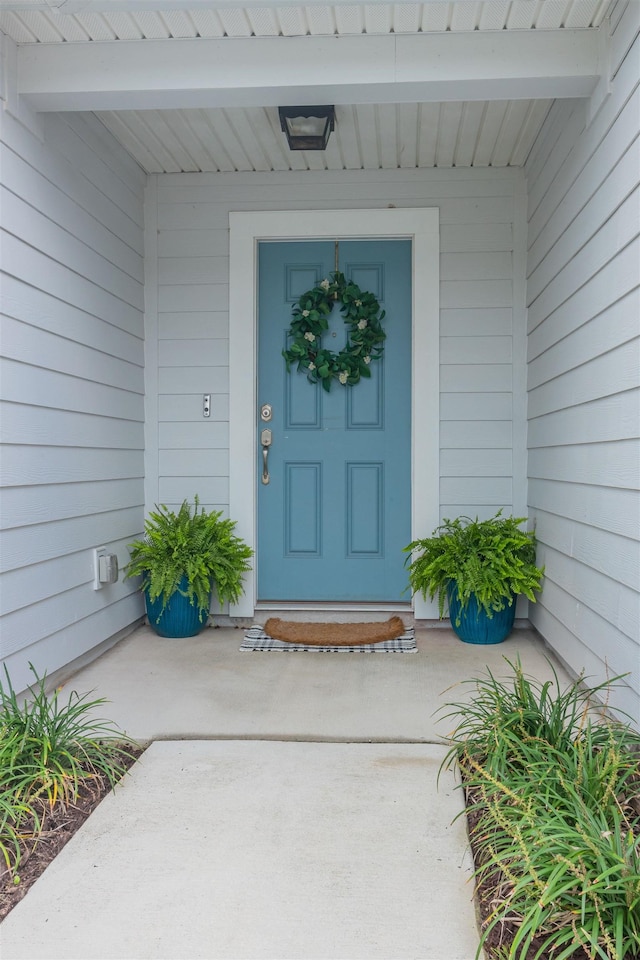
(307, 128)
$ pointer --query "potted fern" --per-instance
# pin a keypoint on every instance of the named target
(183, 559)
(478, 568)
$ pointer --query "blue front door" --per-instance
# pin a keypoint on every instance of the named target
(336, 513)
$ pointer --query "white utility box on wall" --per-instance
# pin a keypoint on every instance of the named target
(105, 568)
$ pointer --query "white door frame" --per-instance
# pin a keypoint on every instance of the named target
(421, 226)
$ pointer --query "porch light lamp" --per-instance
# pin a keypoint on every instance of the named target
(307, 128)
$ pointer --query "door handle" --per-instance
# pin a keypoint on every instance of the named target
(265, 440)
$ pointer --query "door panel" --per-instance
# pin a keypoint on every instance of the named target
(336, 514)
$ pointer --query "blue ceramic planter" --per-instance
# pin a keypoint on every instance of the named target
(180, 618)
(475, 625)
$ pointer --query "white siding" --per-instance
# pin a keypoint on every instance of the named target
(583, 373)
(72, 301)
(481, 267)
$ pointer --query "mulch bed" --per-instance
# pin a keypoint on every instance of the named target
(62, 821)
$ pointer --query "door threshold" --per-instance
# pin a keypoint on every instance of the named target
(332, 612)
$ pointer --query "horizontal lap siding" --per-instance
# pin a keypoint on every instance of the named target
(477, 210)
(583, 374)
(72, 375)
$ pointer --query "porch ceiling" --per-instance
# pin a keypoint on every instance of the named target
(189, 85)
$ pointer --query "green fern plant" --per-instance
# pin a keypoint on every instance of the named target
(191, 553)
(492, 560)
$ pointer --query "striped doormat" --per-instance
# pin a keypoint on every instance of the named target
(257, 641)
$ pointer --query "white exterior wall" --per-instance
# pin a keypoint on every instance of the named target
(72, 426)
(583, 372)
(482, 236)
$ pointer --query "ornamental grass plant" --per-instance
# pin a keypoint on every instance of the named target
(552, 786)
(49, 751)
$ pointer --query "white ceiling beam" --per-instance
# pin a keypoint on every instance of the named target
(165, 74)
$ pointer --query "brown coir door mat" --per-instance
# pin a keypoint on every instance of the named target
(333, 634)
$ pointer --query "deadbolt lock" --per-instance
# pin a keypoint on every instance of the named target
(266, 412)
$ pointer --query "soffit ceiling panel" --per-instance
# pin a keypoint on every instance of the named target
(46, 23)
(367, 136)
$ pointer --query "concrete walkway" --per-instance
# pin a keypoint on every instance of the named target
(288, 807)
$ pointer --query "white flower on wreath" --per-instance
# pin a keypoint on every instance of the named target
(362, 324)
(367, 359)
(309, 336)
(325, 284)
(311, 366)
(358, 303)
(305, 313)
(343, 377)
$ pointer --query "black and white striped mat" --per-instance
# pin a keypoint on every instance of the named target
(257, 641)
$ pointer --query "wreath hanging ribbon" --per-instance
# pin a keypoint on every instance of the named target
(365, 336)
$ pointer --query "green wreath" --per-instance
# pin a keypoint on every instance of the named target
(365, 335)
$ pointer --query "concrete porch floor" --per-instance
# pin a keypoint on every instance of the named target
(287, 807)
